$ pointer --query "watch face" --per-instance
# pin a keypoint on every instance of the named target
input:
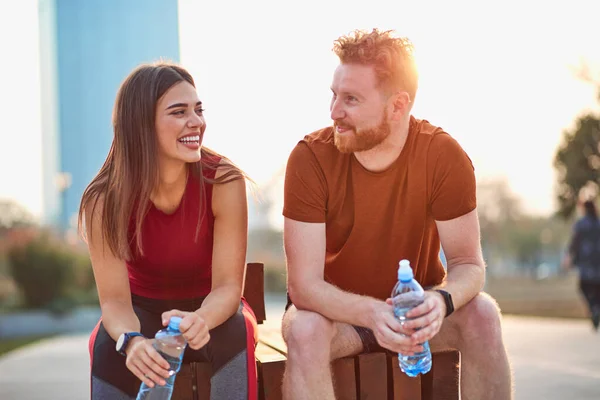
(120, 341)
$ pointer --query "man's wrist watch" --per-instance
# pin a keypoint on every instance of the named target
(448, 300)
(123, 341)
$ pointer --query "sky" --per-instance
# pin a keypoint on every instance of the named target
(497, 76)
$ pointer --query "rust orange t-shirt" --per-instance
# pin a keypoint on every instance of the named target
(375, 219)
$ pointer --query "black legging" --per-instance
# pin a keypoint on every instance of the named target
(591, 292)
(230, 352)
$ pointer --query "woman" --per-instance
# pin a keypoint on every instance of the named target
(584, 252)
(166, 225)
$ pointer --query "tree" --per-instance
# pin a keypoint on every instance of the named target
(43, 268)
(577, 159)
(510, 236)
(13, 215)
(496, 201)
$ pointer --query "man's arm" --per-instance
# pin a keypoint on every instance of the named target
(460, 240)
(305, 254)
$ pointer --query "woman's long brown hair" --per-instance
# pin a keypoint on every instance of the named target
(130, 172)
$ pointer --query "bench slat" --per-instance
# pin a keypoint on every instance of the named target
(270, 335)
(372, 373)
(203, 374)
(443, 381)
(193, 380)
(254, 290)
(403, 386)
(344, 382)
(270, 364)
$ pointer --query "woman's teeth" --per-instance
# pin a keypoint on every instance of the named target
(190, 139)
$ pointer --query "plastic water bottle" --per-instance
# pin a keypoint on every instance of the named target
(170, 344)
(406, 295)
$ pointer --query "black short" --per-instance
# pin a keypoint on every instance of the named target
(370, 344)
(367, 337)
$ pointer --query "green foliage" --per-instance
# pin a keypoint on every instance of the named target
(265, 245)
(530, 237)
(275, 278)
(12, 215)
(84, 274)
(45, 271)
(578, 163)
(8, 345)
(510, 236)
(577, 159)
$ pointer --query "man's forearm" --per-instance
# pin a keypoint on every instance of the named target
(463, 282)
(333, 303)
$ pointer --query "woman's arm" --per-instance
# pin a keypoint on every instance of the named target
(230, 209)
(112, 282)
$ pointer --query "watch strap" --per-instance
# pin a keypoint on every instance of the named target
(127, 337)
(448, 300)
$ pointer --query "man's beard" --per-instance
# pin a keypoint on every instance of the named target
(361, 140)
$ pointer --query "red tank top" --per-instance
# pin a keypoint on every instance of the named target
(174, 266)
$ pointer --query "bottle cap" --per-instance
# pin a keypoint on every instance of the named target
(405, 272)
(174, 323)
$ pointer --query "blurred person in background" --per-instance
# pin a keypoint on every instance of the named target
(584, 254)
(165, 221)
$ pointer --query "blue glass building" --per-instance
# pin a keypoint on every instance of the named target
(87, 47)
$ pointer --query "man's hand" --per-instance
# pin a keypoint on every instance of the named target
(192, 327)
(428, 317)
(389, 333)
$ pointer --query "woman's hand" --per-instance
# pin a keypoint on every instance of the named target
(192, 327)
(145, 362)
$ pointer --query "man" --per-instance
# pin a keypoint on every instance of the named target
(376, 187)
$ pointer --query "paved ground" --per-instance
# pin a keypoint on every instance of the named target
(53, 369)
(552, 359)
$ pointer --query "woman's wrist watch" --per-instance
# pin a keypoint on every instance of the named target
(123, 341)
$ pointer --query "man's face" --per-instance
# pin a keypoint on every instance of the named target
(358, 109)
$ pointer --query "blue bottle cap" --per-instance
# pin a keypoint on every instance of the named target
(174, 323)
(405, 272)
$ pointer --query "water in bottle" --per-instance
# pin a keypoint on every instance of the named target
(170, 344)
(406, 295)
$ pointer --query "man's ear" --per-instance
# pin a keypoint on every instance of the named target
(401, 105)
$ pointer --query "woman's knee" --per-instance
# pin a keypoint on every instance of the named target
(306, 330)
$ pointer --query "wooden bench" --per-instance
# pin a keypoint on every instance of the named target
(366, 376)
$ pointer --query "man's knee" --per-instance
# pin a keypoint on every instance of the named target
(306, 330)
(480, 319)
